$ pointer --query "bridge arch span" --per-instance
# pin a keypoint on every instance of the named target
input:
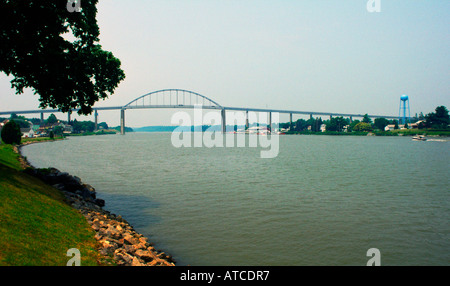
(172, 98)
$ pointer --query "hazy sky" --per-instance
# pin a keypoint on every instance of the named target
(314, 55)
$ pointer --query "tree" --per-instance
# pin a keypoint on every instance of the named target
(395, 124)
(11, 133)
(337, 124)
(315, 124)
(363, 126)
(83, 126)
(438, 119)
(353, 124)
(20, 120)
(103, 125)
(366, 119)
(421, 125)
(381, 123)
(300, 125)
(51, 119)
(66, 74)
(58, 130)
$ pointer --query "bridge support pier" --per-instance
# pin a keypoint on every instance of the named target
(96, 119)
(351, 119)
(290, 121)
(246, 120)
(122, 121)
(269, 126)
(68, 117)
(42, 118)
(224, 121)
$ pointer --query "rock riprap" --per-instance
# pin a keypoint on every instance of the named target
(116, 238)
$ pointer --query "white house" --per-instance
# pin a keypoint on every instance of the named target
(389, 127)
(27, 132)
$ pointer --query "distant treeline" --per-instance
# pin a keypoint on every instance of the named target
(77, 126)
(438, 120)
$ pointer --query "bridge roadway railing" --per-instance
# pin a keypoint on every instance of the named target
(171, 106)
(179, 98)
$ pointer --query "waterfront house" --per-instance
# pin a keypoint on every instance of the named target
(416, 125)
(27, 132)
(389, 127)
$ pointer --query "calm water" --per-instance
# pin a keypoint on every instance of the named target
(324, 200)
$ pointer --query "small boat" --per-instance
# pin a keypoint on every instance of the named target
(419, 138)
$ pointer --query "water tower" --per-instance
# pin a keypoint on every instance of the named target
(404, 118)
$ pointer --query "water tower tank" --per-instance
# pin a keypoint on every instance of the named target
(404, 108)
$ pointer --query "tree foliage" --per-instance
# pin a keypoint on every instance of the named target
(34, 49)
(353, 124)
(363, 126)
(51, 119)
(11, 133)
(103, 125)
(315, 124)
(381, 123)
(366, 119)
(337, 123)
(83, 126)
(439, 119)
(300, 125)
(20, 120)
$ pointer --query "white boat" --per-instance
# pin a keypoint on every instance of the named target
(258, 130)
(419, 138)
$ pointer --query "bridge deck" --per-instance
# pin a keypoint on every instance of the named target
(38, 111)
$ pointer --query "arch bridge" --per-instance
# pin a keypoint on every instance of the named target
(180, 98)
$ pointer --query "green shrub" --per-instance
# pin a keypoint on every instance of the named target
(11, 133)
(362, 126)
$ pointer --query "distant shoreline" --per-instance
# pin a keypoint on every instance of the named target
(408, 132)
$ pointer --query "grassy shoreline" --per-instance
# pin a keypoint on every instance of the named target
(37, 226)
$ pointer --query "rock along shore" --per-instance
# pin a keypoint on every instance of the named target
(117, 240)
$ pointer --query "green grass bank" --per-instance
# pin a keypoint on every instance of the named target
(37, 226)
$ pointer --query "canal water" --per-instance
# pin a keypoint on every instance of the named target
(324, 200)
